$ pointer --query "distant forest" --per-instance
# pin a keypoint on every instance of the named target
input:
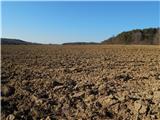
(150, 36)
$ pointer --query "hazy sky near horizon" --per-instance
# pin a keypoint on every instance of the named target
(59, 22)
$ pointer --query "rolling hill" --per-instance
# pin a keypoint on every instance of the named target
(8, 41)
(150, 36)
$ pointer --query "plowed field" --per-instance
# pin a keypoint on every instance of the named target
(91, 82)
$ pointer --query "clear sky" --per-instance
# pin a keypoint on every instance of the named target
(59, 22)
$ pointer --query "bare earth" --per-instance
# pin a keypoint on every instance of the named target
(92, 82)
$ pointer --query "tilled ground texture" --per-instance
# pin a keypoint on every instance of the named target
(80, 82)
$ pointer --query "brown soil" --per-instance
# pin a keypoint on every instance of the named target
(95, 82)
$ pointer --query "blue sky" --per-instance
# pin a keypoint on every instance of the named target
(59, 22)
